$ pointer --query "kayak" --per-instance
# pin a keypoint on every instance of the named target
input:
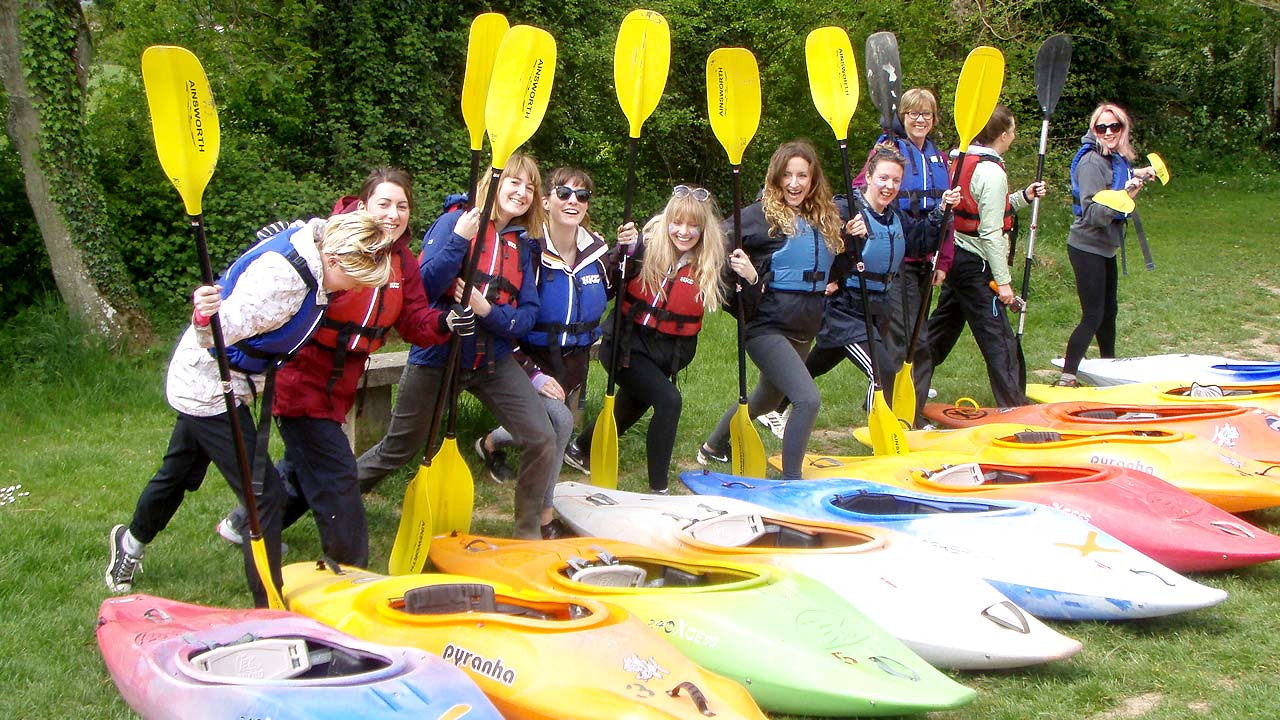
(1165, 523)
(1221, 477)
(1051, 564)
(1251, 432)
(534, 655)
(173, 660)
(1168, 392)
(893, 578)
(796, 646)
(1180, 367)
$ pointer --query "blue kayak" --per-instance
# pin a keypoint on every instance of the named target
(1049, 563)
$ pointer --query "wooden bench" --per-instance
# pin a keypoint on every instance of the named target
(367, 421)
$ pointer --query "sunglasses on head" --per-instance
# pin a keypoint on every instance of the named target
(699, 194)
(564, 191)
(1104, 128)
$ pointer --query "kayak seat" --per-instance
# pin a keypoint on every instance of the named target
(675, 577)
(1034, 437)
(730, 530)
(257, 659)
(1097, 414)
(888, 505)
(451, 598)
(793, 538)
(610, 575)
(1008, 476)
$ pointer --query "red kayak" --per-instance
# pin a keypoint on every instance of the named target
(1167, 524)
(1251, 432)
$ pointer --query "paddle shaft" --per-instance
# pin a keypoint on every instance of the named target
(629, 194)
(1035, 225)
(856, 205)
(737, 287)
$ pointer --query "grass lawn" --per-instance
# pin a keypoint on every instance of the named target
(85, 430)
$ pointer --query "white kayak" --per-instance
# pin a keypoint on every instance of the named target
(1181, 367)
(894, 579)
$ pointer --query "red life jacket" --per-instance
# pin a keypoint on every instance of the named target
(498, 274)
(358, 320)
(674, 309)
(966, 213)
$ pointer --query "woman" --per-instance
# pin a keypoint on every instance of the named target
(879, 230)
(790, 238)
(571, 279)
(1104, 162)
(505, 306)
(680, 258)
(983, 221)
(269, 302)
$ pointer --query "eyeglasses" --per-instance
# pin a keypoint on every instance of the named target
(699, 194)
(1104, 128)
(919, 114)
(564, 191)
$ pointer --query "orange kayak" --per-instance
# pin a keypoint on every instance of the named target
(1248, 431)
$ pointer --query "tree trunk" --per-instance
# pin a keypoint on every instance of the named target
(88, 271)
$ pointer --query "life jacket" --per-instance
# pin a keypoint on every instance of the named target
(881, 252)
(803, 263)
(925, 177)
(253, 355)
(498, 275)
(1121, 172)
(675, 308)
(966, 213)
(571, 299)
(359, 320)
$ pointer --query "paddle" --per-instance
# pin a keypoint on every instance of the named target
(486, 34)
(641, 61)
(1053, 59)
(733, 104)
(1161, 170)
(884, 78)
(517, 101)
(833, 83)
(1117, 200)
(184, 123)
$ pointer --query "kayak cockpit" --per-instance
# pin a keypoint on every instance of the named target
(456, 598)
(755, 532)
(639, 572)
(885, 504)
(253, 659)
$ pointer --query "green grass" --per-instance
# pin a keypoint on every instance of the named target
(85, 429)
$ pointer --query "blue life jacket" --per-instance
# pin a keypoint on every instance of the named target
(254, 355)
(882, 251)
(924, 179)
(571, 300)
(803, 263)
(1121, 172)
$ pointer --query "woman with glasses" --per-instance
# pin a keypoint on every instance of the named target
(790, 237)
(1103, 162)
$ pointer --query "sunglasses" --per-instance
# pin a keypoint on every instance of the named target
(1104, 128)
(564, 191)
(699, 194)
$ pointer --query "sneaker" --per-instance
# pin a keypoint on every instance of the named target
(1067, 382)
(555, 530)
(706, 455)
(120, 572)
(662, 491)
(226, 530)
(775, 421)
(575, 458)
(495, 462)
(932, 393)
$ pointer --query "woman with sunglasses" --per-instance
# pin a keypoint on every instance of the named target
(790, 237)
(571, 278)
(674, 277)
(1103, 162)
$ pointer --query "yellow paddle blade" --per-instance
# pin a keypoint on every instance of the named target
(604, 448)
(733, 99)
(1117, 200)
(519, 89)
(184, 121)
(413, 537)
(482, 50)
(833, 77)
(745, 449)
(978, 92)
(1162, 170)
(451, 490)
(887, 435)
(904, 395)
(260, 562)
(641, 62)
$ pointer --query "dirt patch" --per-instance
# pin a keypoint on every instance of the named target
(1131, 707)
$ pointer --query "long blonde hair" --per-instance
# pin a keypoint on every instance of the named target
(817, 209)
(1125, 148)
(519, 165)
(362, 249)
(708, 256)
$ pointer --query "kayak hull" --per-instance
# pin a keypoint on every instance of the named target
(1049, 563)
(797, 647)
(158, 653)
(1167, 392)
(1180, 367)
(1163, 522)
(893, 578)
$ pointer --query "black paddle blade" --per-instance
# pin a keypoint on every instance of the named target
(1053, 59)
(884, 77)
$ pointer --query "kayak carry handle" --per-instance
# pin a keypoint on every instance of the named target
(696, 695)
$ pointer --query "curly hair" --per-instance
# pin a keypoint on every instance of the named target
(817, 208)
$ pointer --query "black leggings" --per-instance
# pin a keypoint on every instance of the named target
(643, 385)
(1096, 286)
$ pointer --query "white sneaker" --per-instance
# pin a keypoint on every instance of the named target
(226, 530)
(932, 393)
(775, 421)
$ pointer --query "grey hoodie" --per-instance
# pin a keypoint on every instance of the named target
(1097, 230)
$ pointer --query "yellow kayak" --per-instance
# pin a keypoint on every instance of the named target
(536, 656)
(1221, 477)
(1261, 395)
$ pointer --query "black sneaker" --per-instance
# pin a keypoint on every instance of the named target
(495, 462)
(707, 455)
(555, 530)
(575, 458)
(123, 565)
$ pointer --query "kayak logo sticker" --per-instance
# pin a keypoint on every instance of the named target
(1122, 462)
(1226, 435)
(832, 629)
(677, 627)
(1273, 422)
(964, 413)
(645, 670)
(479, 664)
(1089, 546)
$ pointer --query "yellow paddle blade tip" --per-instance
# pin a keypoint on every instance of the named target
(641, 64)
